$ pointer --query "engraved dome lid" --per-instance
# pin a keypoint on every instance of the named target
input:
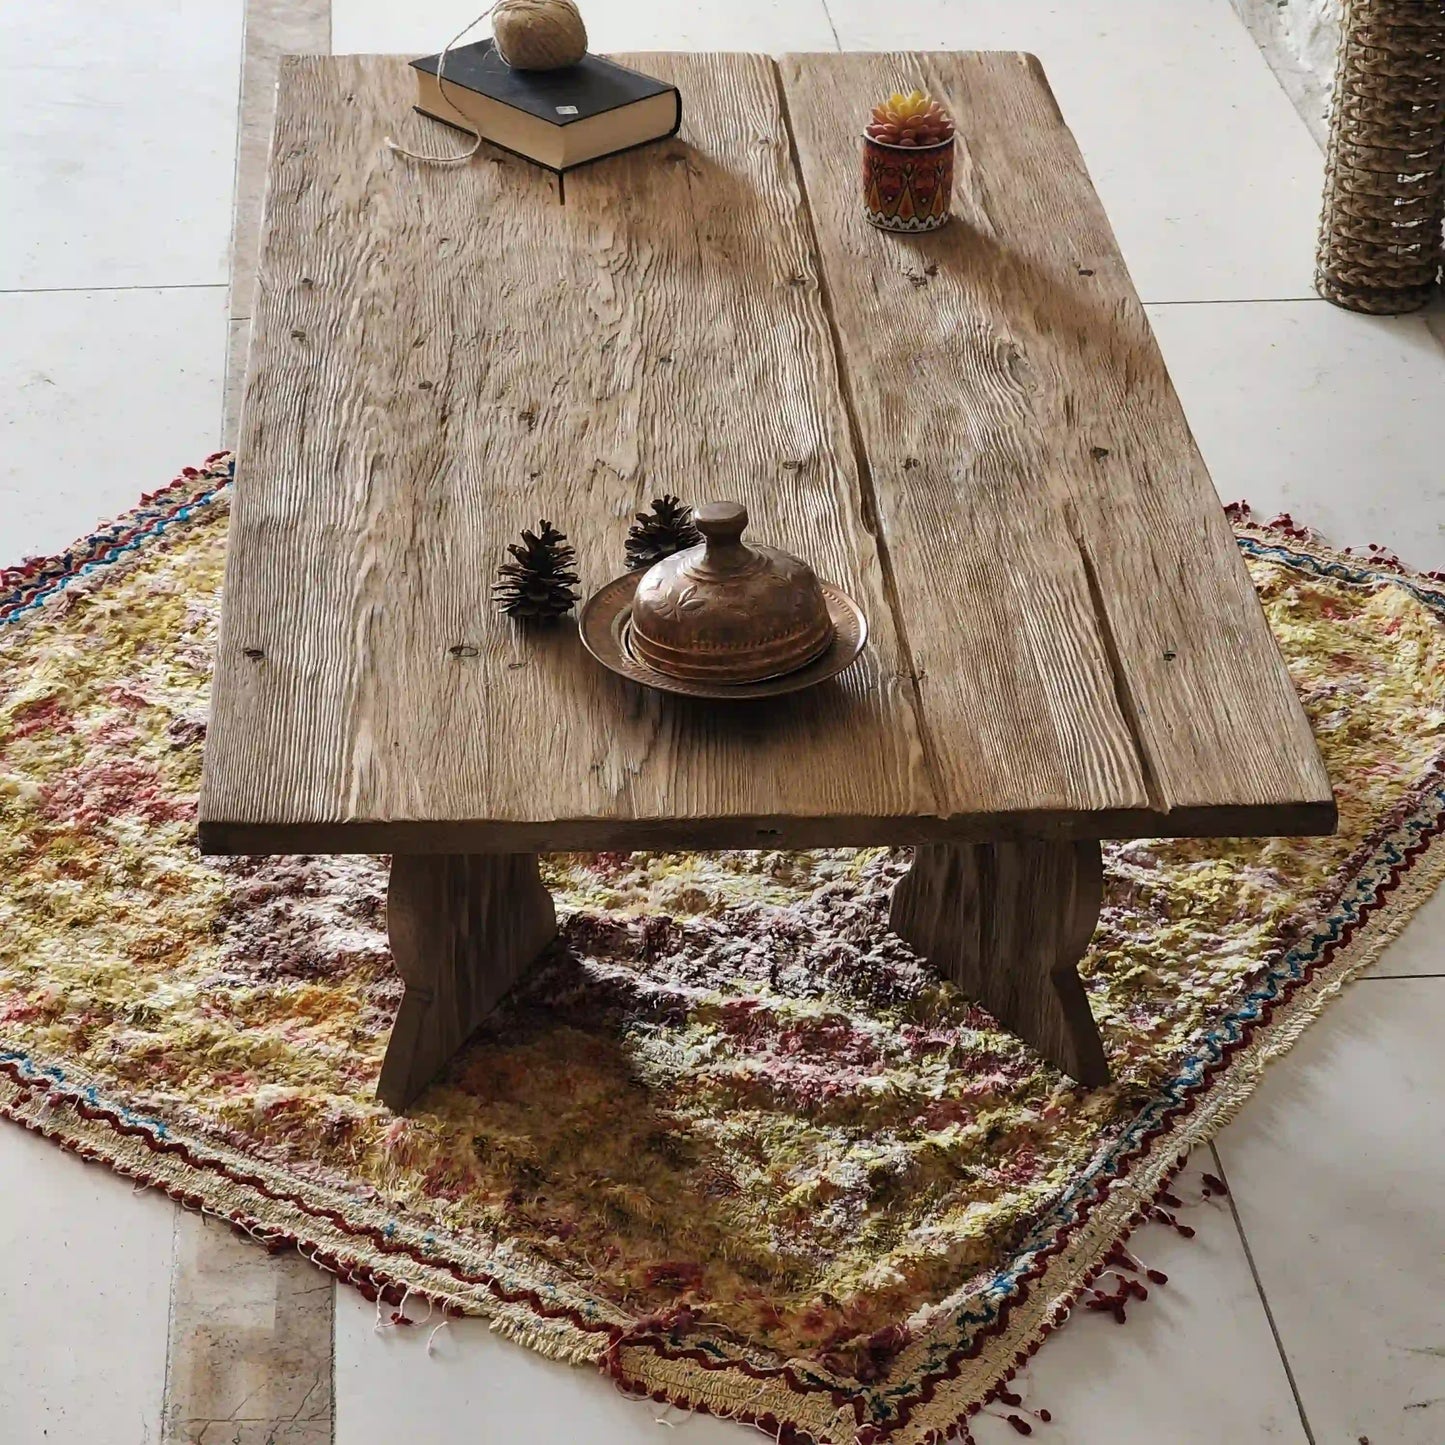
(729, 611)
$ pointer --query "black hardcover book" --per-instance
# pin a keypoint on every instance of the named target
(558, 118)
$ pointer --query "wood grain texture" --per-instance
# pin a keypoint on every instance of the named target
(1083, 630)
(442, 356)
(463, 930)
(972, 432)
(1008, 923)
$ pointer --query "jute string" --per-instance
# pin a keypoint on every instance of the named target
(454, 160)
(526, 34)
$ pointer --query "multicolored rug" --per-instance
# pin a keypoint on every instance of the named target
(733, 1143)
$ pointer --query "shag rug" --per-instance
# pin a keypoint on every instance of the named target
(733, 1142)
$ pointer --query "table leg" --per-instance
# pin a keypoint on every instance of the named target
(464, 927)
(1008, 922)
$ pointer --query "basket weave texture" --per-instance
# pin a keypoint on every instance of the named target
(1381, 245)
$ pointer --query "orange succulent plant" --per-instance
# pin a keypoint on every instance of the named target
(915, 119)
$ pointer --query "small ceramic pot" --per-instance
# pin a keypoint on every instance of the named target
(907, 188)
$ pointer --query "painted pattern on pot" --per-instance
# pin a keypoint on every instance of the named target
(907, 188)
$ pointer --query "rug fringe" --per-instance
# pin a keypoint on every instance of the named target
(1125, 1269)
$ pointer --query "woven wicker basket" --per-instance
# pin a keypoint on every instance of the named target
(1381, 243)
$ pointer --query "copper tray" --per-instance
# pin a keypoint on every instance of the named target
(606, 623)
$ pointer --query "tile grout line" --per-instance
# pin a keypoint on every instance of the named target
(1237, 301)
(170, 1319)
(1299, 1403)
(236, 157)
(140, 286)
(224, 426)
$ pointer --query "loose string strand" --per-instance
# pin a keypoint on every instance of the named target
(434, 160)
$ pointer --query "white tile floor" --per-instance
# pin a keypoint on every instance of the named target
(1295, 403)
(1328, 1327)
(1338, 1162)
(102, 389)
(84, 1299)
(120, 140)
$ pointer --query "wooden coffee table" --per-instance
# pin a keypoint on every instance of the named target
(971, 431)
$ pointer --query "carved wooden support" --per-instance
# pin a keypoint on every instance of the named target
(1008, 922)
(464, 928)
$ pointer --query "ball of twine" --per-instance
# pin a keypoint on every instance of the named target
(538, 34)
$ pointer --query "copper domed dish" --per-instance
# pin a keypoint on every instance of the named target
(728, 611)
(726, 619)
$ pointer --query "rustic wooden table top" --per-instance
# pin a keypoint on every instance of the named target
(972, 431)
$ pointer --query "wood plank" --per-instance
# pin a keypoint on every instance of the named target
(442, 356)
(1083, 629)
(463, 930)
(1008, 923)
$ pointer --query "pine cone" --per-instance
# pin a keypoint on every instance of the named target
(541, 582)
(915, 119)
(666, 529)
